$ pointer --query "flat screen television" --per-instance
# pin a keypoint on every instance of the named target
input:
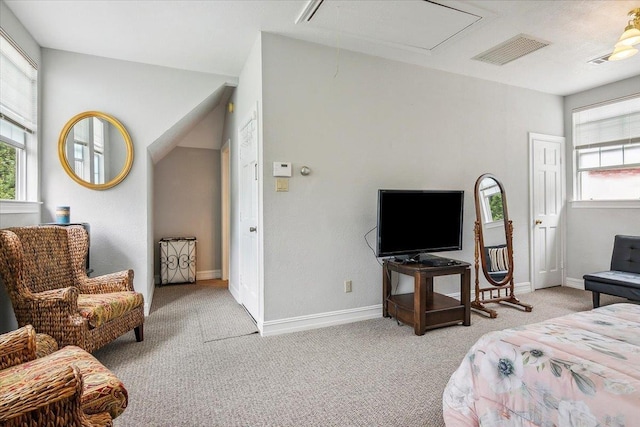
(411, 222)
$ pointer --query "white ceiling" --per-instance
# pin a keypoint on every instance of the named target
(215, 36)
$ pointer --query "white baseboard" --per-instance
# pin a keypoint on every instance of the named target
(208, 274)
(320, 320)
(235, 291)
(332, 318)
(149, 298)
(574, 283)
(200, 275)
(518, 288)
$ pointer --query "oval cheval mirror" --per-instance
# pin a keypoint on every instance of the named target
(494, 246)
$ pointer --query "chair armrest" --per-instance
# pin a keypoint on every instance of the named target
(67, 295)
(17, 347)
(56, 302)
(114, 282)
(54, 394)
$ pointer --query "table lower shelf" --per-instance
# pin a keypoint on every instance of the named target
(441, 310)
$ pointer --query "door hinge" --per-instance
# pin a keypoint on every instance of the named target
(255, 168)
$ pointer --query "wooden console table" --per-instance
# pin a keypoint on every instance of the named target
(425, 309)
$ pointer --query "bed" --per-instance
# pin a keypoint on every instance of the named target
(582, 369)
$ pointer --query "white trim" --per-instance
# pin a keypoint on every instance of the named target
(19, 207)
(208, 274)
(518, 288)
(494, 224)
(340, 317)
(320, 320)
(605, 204)
(570, 282)
(235, 291)
(200, 275)
(148, 300)
(225, 199)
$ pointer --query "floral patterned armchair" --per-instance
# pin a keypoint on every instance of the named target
(43, 269)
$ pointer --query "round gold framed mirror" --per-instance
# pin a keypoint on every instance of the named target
(95, 150)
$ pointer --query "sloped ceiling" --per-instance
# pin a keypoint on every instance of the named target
(171, 138)
(215, 36)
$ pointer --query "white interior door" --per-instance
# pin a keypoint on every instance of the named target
(249, 284)
(547, 203)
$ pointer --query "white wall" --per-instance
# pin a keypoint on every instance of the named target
(590, 231)
(187, 203)
(148, 100)
(362, 123)
(207, 133)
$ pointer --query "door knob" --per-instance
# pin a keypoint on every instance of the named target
(538, 221)
(252, 229)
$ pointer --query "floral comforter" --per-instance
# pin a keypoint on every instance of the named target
(582, 369)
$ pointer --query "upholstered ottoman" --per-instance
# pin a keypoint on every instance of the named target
(45, 344)
(102, 391)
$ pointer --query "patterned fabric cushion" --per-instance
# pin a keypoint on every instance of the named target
(102, 390)
(45, 344)
(98, 309)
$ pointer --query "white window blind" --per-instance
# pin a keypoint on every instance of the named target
(18, 85)
(610, 124)
(606, 141)
(18, 119)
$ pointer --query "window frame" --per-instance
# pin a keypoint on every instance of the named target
(623, 142)
(486, 194)
(21, 158)
(26, 189)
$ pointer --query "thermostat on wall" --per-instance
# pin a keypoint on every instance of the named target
(282, 169)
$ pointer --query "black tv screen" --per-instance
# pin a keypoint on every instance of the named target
(411, 222)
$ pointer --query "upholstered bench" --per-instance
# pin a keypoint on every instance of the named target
(623, 279)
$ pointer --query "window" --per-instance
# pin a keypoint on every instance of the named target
(88, 143)
(18, 117)
(606, 140)
(491, 201)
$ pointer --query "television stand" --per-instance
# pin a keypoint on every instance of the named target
(425, 309)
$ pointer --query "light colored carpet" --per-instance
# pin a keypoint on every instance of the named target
(221, 317)
(369, 373)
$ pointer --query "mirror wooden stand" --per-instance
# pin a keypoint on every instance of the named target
(493, 247)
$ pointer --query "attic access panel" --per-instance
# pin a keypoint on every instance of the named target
(417, 24)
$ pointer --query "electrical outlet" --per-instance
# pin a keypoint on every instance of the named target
(347, 285)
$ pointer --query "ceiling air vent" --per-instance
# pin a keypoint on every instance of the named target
(512, 49)
(599, 60)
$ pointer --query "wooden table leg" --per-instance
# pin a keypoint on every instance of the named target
(386, 290)
(420, 303)
(465, 294)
